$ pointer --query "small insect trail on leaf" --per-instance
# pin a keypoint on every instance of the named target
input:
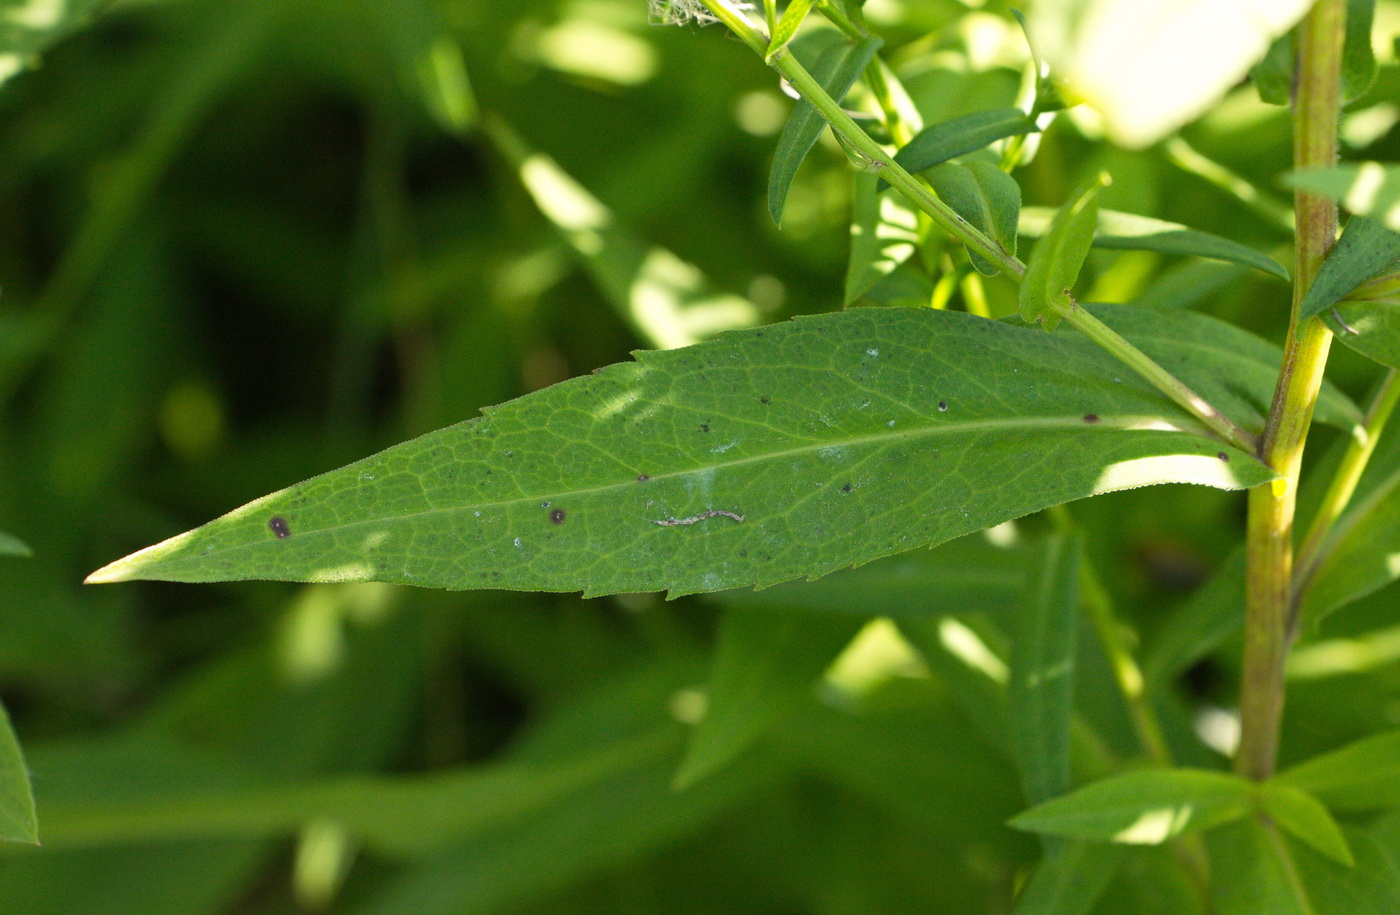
(1345, 326)
(675, 522)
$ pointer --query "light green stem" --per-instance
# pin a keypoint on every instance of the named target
(875, 159)
(1269, 539)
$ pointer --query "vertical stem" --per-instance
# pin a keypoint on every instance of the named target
(1269, 548)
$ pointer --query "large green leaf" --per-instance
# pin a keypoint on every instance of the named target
(985, 196)
(1366, 249)
(17, 822)
(1057, 259)
(766, 662)
(1131, 232)
(960, 136)
(1361, 776)
(763, 456)
(1364, 188)
(1143, 808)
(1041, 689)
(836, 69)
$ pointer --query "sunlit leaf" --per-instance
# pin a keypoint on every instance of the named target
(763, 456)
(960, 136)
(1056, 260)
(985, 196)
(837, 68)
(1364, 188)
(1143, 808)
(1149, 66)
(30, 27)
(1131, 232)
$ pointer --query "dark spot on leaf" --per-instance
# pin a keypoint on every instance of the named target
(544, 505)
(765, 400)
(557, 516)
(278, 525)
(943, 406)
(846, 487)
(642, 478)
(1223, 456)
(704, 427)
(1091, 418)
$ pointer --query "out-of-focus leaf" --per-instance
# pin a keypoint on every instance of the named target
(1143, 808)
(1131, 232)
(1273, 76)
(1041, 691)
(1364, 188)
(29, 28)
(1304, 816)
(1359, 68)
(667, 301)
(1149, 66)
(1071, 882)
(1366, 249)
(836, 70)
(1361, 776)
(1199, 626)
(10, 545)
(17, 820)
(1261, 875)
(763, 456)
(960, 136)
(964, 575)
(1057, 258)
(884, 232)
(766, 662)
(985, 196)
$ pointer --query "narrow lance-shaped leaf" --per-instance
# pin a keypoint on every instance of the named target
(766, 662)
(17, 821)
(787, 26)
(1366, 249)
(1131, 232)
(884, 233)
(985, 196)
(763, 456)
(836, 70)
(1358, 777)
(1041, 691)
(1364, 188)
(961, 135)
(1056, 260)
(1143, 808)
(1301, 814)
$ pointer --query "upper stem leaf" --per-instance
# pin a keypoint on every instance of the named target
(1057, 259)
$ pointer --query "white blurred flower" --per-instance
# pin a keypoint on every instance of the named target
(679, 12)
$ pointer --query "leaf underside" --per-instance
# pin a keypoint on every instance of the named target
(765, 455)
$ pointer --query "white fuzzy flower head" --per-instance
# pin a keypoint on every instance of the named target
(679, 12)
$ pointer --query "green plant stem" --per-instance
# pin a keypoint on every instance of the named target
(1339, 492)
(875, 159)
(1269, 538)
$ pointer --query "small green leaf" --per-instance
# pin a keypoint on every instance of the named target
(17, 821)
(10, 545)
(1364, 188)
(1366, 249)
(1359, 68)
(1131, 232)
(1304, 816)
(884, 233)
(1262, 876)
(1361, 776)
(766, 663)
(1041, 690)
(836, 70)
(1273, 76)
(1370, 328)
(765, 455)
(787, 26)
(985, 196)
(960, 136)
(1056, 260)
(1143, 808)
(1071, 882)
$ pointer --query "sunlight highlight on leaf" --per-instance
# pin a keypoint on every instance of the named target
(1154, 827)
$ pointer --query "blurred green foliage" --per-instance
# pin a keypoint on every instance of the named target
(247, 241)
